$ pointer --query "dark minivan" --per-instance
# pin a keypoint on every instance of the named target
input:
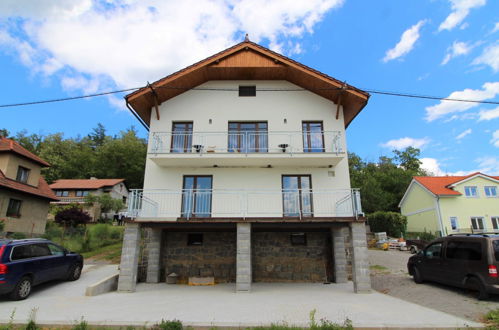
(28, 262)
(461, 260)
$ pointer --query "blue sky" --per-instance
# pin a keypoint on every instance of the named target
(55, 48)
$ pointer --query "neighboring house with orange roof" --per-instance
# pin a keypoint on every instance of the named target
(75, 191)
(452, 204)
(24, 193)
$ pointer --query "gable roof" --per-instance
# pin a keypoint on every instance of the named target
(248, 61)
(441, 185)
(42, 190)
(84, 183)
(9, 145)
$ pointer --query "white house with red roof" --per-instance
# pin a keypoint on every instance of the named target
(75, 191)
(452, 204)
(24, 193)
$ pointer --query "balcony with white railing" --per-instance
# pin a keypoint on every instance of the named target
(259, 149)
(171, 205)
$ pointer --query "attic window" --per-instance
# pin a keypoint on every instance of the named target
(247, 90)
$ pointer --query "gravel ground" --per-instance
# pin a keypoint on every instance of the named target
(389, 275)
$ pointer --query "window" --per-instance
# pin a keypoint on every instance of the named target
(20, 252)
(62, 193)
(40, 250)
(433, 251)
(477, 223)
(196, 196)
(495, 222)
(81, 193)
(248, 137)
(56, 250)
(22, 174)
(313, 136)
(181, 137)
(195, 239)
(453, 223)
(464, 250)
(470, 191)
(297, 195)
(491, 191)
(298, 239)
(14, 208)
(247, 90)
(495, 244)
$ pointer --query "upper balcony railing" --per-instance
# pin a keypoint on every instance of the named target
(247, 142)
(164, 205)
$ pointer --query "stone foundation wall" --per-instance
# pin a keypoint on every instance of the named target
(215, 257)
(275, 259)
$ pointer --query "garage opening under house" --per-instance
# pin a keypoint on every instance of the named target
(246, 176)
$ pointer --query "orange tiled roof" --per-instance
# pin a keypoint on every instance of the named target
(84, 183)
(42, 190)
(7, 145)
(439, 185)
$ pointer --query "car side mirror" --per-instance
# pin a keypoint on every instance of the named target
(421, 253)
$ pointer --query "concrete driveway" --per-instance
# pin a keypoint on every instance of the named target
(63, 303)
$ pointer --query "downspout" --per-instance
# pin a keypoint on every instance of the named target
(439, 214)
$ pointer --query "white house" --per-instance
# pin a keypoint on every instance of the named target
(246, 175)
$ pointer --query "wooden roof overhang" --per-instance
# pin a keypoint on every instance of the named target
(247, 61)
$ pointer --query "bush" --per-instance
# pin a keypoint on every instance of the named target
(423, 235)
(52, 231)
(72, 217)
(99, 232)
(169, 325)
(17, 236)
(393, 223)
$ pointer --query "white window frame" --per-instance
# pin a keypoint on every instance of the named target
(496, 220)
(456, 223)
(483, 223)
(491, 188)
(471, 187)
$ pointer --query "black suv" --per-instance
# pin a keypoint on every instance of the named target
(461, 260)
(28, 262)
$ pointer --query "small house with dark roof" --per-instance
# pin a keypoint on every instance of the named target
(452, 204)
(24, 193)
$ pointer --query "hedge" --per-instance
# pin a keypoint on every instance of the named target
(393, 223)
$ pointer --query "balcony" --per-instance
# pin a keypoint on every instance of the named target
(68, 200)
(249, 149)
(206, 204)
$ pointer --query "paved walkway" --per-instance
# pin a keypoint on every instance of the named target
(63, 303)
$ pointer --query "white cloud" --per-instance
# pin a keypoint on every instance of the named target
(489, 90)
(432, 166)
(496, 28)
(405, 142)
(490, 57)
(457, 49)
(495, 139)
(463, 134)
(488, 114)
(487, 165)
(127, 43)
(406, 43)
(460, 9)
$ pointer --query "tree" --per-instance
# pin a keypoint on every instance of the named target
(98, 136)
(106, 202)
(72, 217)
(4, 132)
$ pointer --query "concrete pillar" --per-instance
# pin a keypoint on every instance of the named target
(153, 255)
(129, 258)
(339, 254)
(243, 258)
(360, 259)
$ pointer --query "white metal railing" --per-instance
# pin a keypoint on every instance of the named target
(246, 142)
(70, 199)
(227, 203)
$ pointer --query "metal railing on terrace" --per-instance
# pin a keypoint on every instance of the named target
(73, 199)
(247, 142)
(229, 203)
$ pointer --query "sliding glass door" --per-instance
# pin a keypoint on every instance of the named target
(181, 137)
(313, 136)
(297, 195)
(248, 137)
(196, 196)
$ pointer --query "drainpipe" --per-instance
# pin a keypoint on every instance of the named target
(439, 214)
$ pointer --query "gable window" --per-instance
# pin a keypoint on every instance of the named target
(22, 174)
(14, 208)
(247, 90)
(313, 136)
(81, 193)
(62, 193)
(181, 137)
(248, 137)
(490, 191)
(495, 222)
(470, 191)
(477, 223)
(453, 223)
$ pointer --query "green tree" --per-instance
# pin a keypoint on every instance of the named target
(98, 136)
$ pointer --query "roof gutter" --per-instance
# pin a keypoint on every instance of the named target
(136, 115)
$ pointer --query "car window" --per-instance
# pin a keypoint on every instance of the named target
(20, 252)
(495, 245)
(433, 251)
(56, 250)
(464, 250)
(40, 250)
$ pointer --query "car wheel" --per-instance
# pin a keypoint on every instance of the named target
(413, 250)
(477, 286)
(22, 289)
(416, 275)
(74, 272)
